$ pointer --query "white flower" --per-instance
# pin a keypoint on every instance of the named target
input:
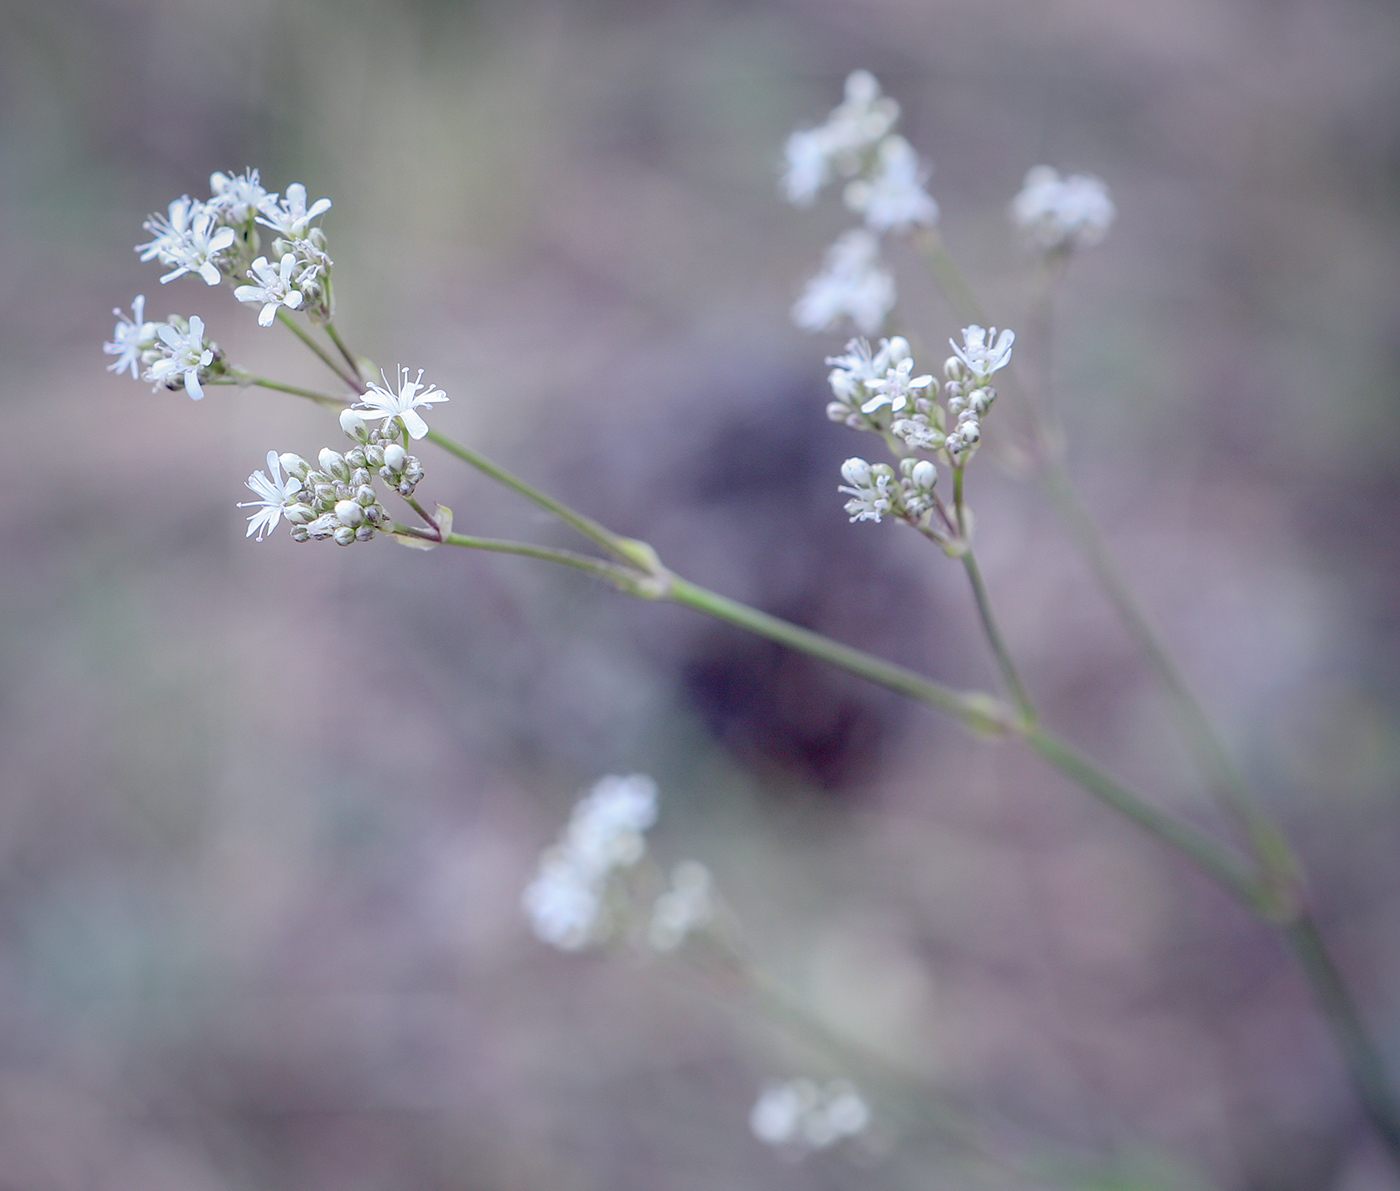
(841, 143)
(872, 489)
(896, 387)
(852, 284)
(190, 239)
(132, 336)
(405, 403)
(562, 903)
(274, 493)
(1073, 212)
(291, 217)
(800, 1115)
(808, 156)
(977, 357)
(188, 354)
(239, 197)
(893, 198)
(274, 287)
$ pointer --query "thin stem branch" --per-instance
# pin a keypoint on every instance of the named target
(620, 577)
(297, 391)
(995, 640)
(326, 358)
(340, 346)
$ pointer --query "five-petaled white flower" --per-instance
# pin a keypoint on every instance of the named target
(274, 287)
(980, 359)
(190, 239)
(291, 217)
(240, 197)
(132, 336)
(896, 387)
(188, 354)
(274, 495)
(405, 403)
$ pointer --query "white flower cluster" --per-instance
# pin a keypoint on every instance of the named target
(567, 902)
(336, 499)
(801, 1115)
(885, 186)
(218, 240)
(877, 490)
(969, 369)
(174, 354)
(1059, 214)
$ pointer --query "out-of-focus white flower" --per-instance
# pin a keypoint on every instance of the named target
(688, 904)
(980, 358)
(274, 288)
(840, 144)
(565, 901)
(291, 217)
(412, 395)
(852, 284)
(187, 354)
(893, 198)
(1062, 213)
(800, 1116)
(132, 336)
(274, 494)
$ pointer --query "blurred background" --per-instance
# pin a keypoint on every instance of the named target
(266, 811)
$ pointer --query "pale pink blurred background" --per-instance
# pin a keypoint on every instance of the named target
(266, 810)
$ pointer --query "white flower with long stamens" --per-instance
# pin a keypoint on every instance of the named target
(274, 495)
(896, 388)
(274, 287)
(404, 405)
(893, 198)
(980, 359)
(188, 354)
(239, 197)
(1062, 213)
(132, 336)
(191, 240)
(291, 217)
(852, 284)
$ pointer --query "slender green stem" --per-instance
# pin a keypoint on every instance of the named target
(950, 278)
(344, 351)
(297, 391)
(1362, 1060)
(326, 358)
(977, 711)
(995, 641)
(616, 545)
(619, 576)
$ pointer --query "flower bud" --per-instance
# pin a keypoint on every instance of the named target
(837, 412)
(325, 494)
(952, 368)
(924, 475)
(350, 514)
(344, 536)
(355, 457)
(374, 456)
(295, 465)
(856, 472)
(354, 425)
(299, 514)
(364, 496)
(395, 457)
(359, 477)
(364, 533)
(333, 463)
(898, 348)
(300, 533)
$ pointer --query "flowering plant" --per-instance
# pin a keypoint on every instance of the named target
(589, 884)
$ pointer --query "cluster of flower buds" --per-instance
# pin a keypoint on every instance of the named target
(871, 388)
(1059, 214)
(968, 385)
(174, 354)
(878, 490)
(800, 1115)
(218, 240)
(885, 187)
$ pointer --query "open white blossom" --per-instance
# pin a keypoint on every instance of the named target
(893, 197)
(852, 284)
(132, 336)
(187, 354)
(239, 197)
(291, 217)
(274, 494)
(190, 238)
(274, 287)
(895, 388)
(980, 359)
(412, 395)
(1062, 213)
(871, 487)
